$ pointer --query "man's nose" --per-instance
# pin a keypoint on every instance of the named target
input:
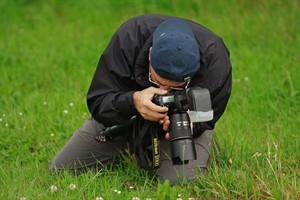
(163, 87)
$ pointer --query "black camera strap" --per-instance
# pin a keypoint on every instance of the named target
(108, 133)
(148, 159)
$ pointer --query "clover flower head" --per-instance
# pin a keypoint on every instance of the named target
(72, 186)
(117, 191)
(230, 161)
(53, 188)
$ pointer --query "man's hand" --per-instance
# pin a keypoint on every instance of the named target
(142, 101)
(165, 122)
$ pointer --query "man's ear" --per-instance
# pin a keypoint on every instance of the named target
(150, 52)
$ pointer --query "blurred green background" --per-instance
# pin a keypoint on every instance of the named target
(48, 54)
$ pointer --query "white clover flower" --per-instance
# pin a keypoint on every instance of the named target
(71, 104)
(3, 115)
(179, 197)
(99, 198)
(23, 198)
(51, 134)
(117, 191)
(148, 198)
(53, 188)
(20, 113)
(6, 124)
(84, 115)
(131, 187)
(45, 103)
(246, 78)
(230, 161)
(72, 186)
(65, 111)
(191, 198)
(135, 198)
(1, 119)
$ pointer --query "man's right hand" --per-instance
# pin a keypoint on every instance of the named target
(142, 101)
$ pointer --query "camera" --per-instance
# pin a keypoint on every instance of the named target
(185, 106)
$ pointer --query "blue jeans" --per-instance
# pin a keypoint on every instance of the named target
(83, 152)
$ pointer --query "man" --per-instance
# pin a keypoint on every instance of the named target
(150, 54)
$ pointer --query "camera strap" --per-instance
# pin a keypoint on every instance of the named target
(108, 133)
(148, 159)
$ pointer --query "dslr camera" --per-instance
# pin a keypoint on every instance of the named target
(185, 107)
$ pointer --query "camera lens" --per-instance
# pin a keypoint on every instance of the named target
(182, 144)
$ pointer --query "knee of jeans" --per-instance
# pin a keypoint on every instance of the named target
(60, 169)
(53, 169)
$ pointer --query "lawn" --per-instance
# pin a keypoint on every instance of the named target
(48, 54)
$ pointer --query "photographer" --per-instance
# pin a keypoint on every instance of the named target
(148, 55)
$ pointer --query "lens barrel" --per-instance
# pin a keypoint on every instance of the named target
(182, 143)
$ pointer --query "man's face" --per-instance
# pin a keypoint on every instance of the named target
(164, 83)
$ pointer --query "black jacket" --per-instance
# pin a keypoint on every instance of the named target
(123, 68)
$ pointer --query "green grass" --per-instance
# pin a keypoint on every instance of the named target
(48, 54)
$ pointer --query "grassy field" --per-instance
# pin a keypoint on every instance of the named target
(48, 54)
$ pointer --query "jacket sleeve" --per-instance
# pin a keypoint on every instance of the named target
(216, 76)
(109, 97)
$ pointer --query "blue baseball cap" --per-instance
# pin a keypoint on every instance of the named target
(175, 53)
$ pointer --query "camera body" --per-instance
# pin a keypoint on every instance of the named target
(181, 103)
